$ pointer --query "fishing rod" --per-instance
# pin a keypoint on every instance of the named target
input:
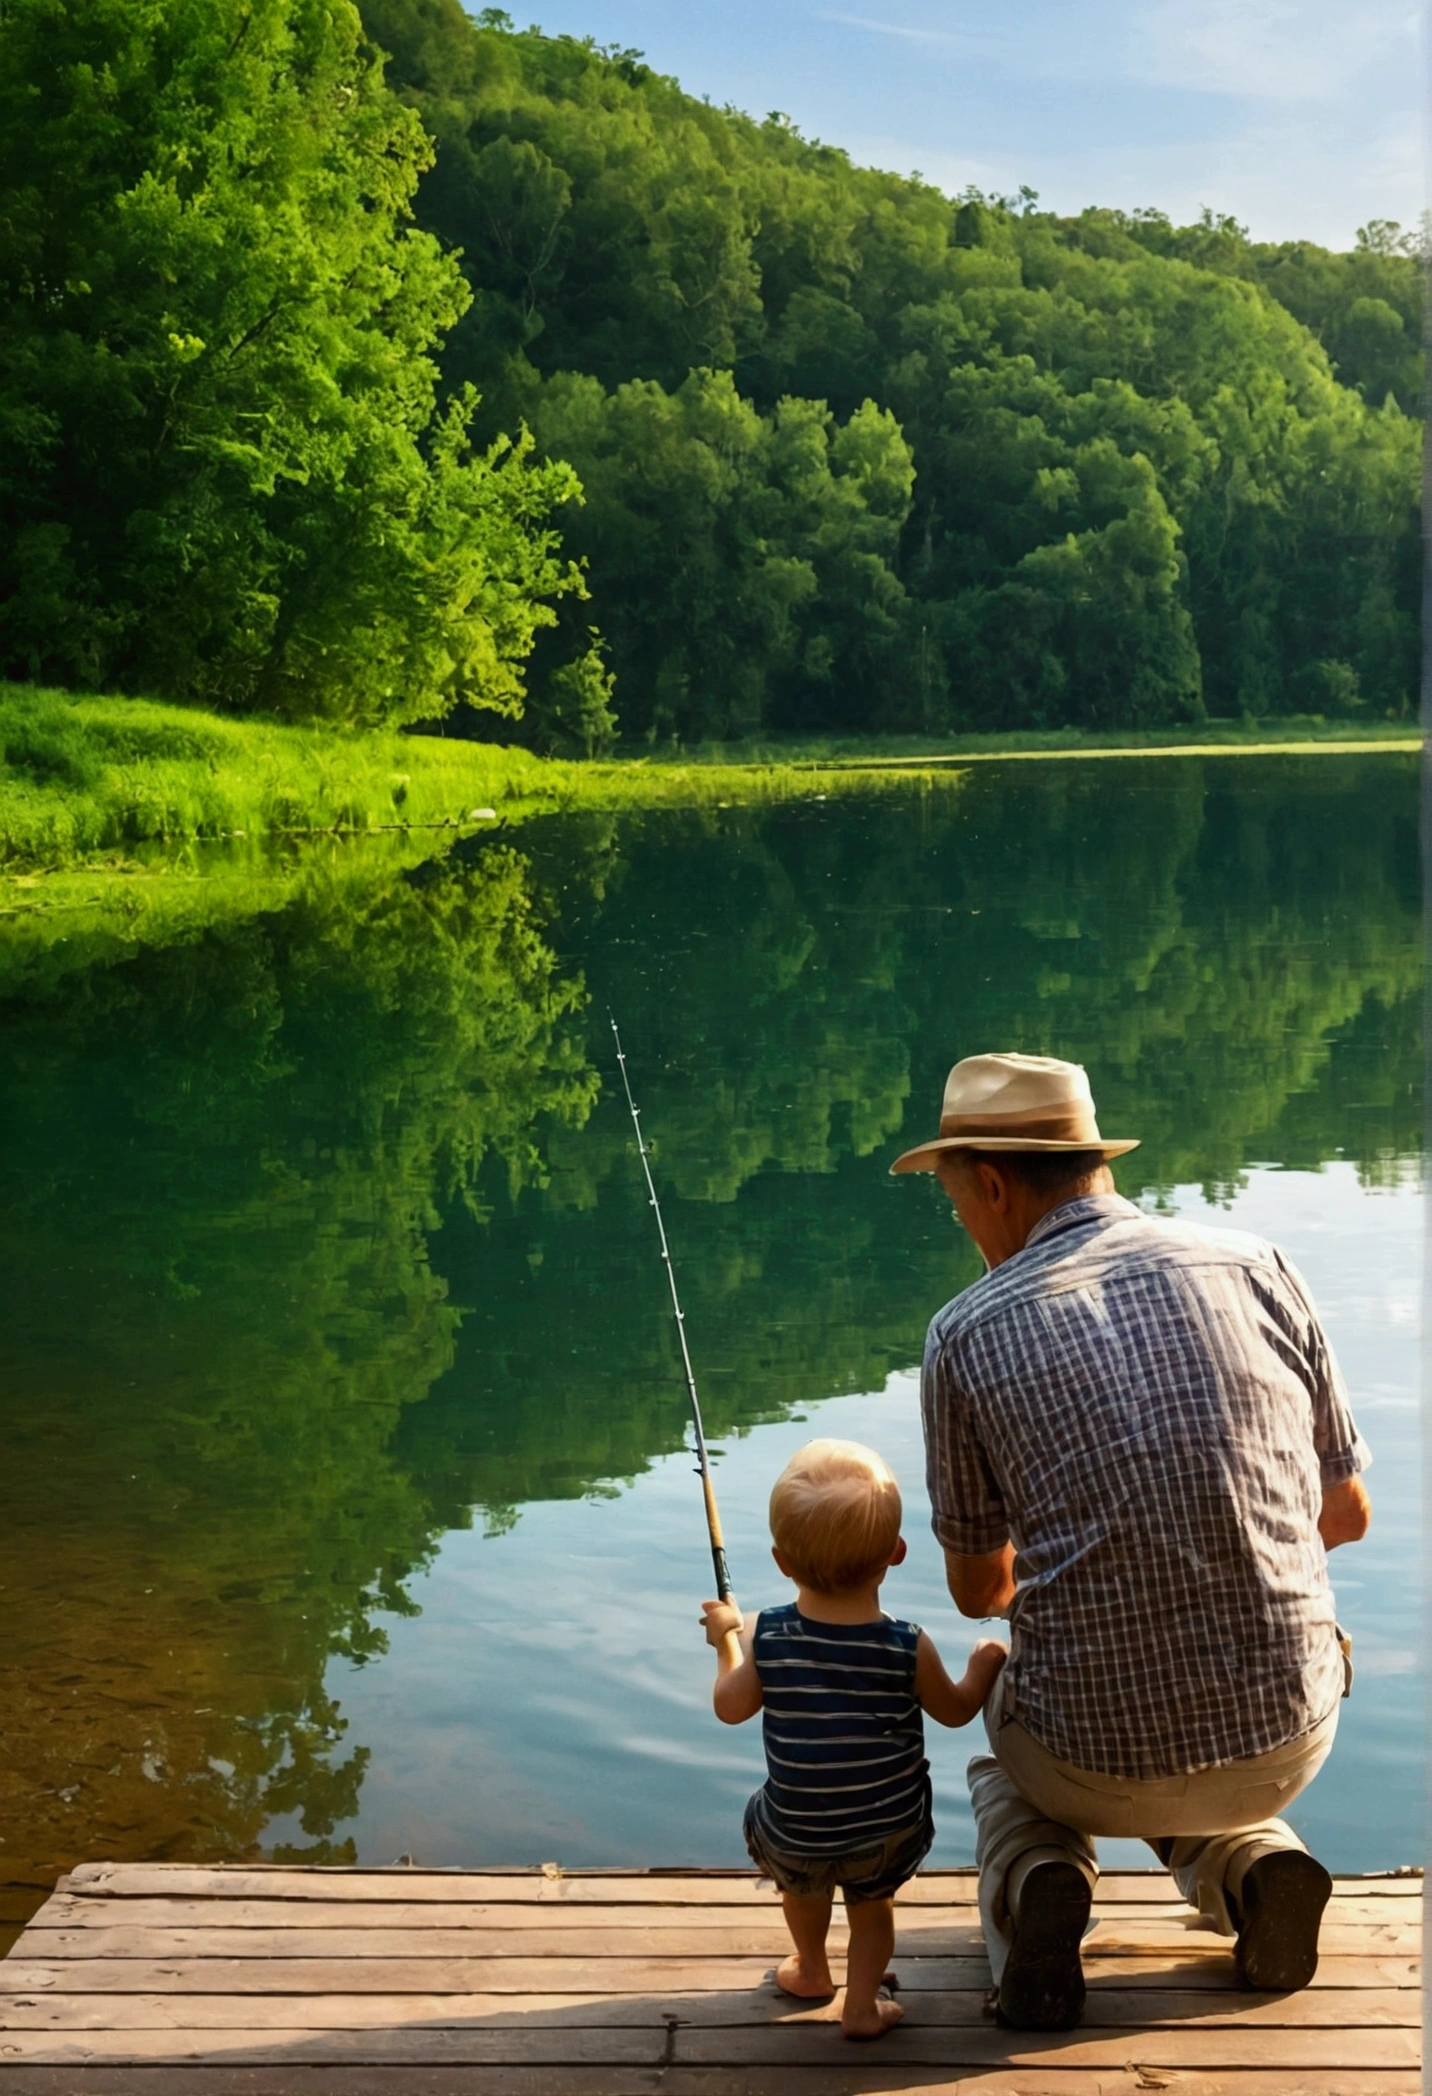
(703, 1462)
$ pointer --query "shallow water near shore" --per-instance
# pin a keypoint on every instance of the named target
(344, 1511)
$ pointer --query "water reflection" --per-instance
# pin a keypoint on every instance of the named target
(552, 1699)
(224, 1159)
(321, 1231)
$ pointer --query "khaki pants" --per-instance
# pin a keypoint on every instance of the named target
(1030, 1807)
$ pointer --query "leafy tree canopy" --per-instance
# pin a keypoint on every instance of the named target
(1148, 470)
(224, 470)
(859, 456)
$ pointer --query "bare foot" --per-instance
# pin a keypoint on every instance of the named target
(793, 1978)
(881, 2016)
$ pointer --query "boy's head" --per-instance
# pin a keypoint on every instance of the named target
(835, 1516)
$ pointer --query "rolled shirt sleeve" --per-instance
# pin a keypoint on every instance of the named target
(967, 1505)
(1341, 1451)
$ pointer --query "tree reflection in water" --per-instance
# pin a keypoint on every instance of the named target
(321, 1228)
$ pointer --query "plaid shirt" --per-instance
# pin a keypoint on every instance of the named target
(1150, 1412)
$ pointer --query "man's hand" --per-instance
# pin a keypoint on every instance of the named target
(720, 1620)
(981, 1586)
(1346, 1513)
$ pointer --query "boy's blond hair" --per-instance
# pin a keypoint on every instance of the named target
(835, 1515)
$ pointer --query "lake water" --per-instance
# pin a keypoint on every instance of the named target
(344, 1509)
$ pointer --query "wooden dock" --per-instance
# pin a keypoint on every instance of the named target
(141, 1979)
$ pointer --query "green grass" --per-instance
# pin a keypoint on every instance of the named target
(125, 823)
(82, 778)
(1253, 737)
(85, 778)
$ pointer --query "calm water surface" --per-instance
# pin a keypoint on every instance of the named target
(344, 1510)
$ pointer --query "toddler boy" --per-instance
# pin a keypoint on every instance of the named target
(841, 1686)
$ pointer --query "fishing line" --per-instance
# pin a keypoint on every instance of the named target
(703, 1461)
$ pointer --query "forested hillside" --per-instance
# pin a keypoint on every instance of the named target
(812, 447)
(859, 456)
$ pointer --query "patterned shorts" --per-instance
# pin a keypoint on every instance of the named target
(872, 1873)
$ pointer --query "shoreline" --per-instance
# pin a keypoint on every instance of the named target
(1312, 746)
(1403, 745)
(91, 783)
(1216, 738)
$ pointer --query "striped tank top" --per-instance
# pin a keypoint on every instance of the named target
(844, 1735)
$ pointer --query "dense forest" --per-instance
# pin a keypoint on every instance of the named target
(377, 369)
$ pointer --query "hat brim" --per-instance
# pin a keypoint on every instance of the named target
(925, 1156)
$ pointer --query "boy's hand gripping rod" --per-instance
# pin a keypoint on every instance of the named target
(703, 1463)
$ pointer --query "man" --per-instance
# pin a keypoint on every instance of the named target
(1139, 1448)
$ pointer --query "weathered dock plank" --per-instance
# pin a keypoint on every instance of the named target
(497, 1976)
(578, 2044)
(605, 1976)
(167, 1980)
(838, 2079)
(1109, 2009)
(676, 1938)
(321, 1882)
(66, 1912)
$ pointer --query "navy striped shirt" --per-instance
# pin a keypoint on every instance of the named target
(844, 1735)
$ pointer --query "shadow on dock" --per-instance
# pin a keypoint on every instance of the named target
(163, 1980)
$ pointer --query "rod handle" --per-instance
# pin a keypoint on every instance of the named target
(730, 1646)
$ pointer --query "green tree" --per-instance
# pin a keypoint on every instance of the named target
(745, 560)
(243, 456)
(1260, 516)
(223, 470)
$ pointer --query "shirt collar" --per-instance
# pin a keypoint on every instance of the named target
(1085, 1208)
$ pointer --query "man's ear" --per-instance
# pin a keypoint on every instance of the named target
(992, 1181)
(900, 1552)
(781, 1565)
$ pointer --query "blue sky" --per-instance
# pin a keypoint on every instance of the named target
(1301, 117)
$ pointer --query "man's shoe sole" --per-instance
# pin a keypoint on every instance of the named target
(1042, 1985)
(1283, 1898)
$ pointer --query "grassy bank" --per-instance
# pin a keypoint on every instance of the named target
(89, 776)
(86, 777)
(1213, 737)
(82, 776)
(126, 824)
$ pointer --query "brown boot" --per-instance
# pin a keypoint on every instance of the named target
(1042, 1985)
(1279, 1910)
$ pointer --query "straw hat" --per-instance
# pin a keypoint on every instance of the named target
(1013, 1102)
